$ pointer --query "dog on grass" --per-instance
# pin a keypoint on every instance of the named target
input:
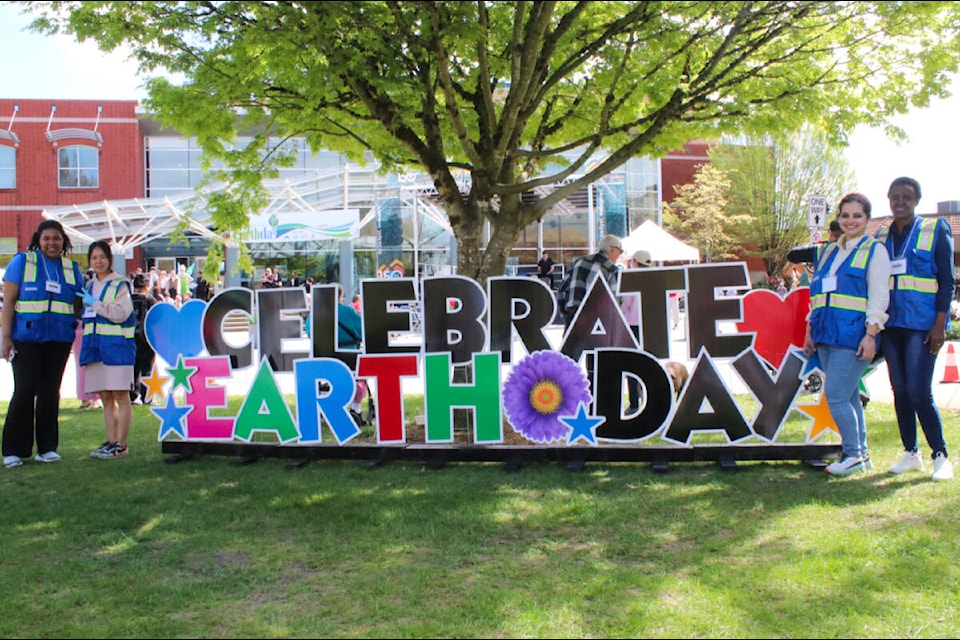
(678, 375)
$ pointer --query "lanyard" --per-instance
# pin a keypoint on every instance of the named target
(909, 240)
(43, 259)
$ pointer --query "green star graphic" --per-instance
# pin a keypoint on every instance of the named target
(181, 376)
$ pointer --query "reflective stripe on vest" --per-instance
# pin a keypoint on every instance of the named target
(907, 282)
(42, 306)
(103, 329)
(837, 300)
(30, 268)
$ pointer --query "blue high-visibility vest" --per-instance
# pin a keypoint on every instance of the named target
(41, 315)
(105, 341)
(838, 318)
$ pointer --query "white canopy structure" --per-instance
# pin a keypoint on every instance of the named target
(662, 246)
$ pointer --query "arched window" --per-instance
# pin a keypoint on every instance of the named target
(8, 167)
(79, 167)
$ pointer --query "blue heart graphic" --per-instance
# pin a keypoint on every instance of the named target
(172, 332)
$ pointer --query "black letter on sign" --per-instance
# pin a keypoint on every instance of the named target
(453, 309)
(705, 309)
(655, 387)
(775, 396)
(220, 306)
(707, 405)
(524, 303)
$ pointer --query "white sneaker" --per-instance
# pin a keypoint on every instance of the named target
(49, 456)
(942, 467)
(12, 461)
(846, 466)
(909, 462)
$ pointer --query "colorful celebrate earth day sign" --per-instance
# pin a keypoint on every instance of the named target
(543, 394)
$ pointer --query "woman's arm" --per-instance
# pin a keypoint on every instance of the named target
(11, 293)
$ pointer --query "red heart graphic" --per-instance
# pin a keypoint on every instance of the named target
(778, 323)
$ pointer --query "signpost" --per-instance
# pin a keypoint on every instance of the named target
(818, 212)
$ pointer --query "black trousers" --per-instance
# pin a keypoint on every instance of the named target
(35, 404)
(142, 368)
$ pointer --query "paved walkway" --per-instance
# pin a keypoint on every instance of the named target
(947, 395)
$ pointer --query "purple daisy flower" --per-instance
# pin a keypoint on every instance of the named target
(541, 388)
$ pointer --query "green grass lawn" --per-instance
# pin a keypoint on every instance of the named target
(137, 547)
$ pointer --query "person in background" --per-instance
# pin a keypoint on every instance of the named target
(848, 301)
(143, 364)
(109, 350)
(631, 311)
(355, 303)
(545, 269)
(350, 336)
(922, 284)
(810, 252)
(39, 317)
(266, 280)
(184, 281)
(585, 270)
(293, 280)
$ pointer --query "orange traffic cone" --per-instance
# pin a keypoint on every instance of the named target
(950, 371)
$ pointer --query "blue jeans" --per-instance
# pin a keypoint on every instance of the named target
(910, 365)
(842, 370)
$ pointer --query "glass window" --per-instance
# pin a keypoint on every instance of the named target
(79, 167)
(8, 167)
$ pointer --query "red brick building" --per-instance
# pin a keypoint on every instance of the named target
(62, 152)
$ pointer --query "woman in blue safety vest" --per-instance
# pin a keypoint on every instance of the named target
(848, 301)
(39, 318)
(921, 288)
(109, 350)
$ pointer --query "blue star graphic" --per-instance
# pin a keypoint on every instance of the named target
(171, 418)
(582, 426)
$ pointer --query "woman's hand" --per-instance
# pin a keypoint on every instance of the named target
(809, 348)
(868, 347)
(6, 347)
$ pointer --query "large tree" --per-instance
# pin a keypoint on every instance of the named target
(772, 179)
(519, 95)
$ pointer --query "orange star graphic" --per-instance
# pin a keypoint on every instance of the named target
(154, 384)
(822, 420)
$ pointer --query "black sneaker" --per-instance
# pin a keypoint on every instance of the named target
(357, 417)
(99, 453)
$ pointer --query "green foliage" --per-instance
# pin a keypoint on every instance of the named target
(519, 95)
(699, 215)
(771, 179)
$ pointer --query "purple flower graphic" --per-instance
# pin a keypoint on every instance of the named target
(541, 388)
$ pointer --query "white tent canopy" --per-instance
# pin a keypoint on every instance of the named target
(662, 246)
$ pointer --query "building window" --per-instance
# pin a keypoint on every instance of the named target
(8, 168)
(79, 167)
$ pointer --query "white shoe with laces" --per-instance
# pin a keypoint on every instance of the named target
(846, 466)
(909, 462)
(942, 467)
(12, 461)
(49, 456)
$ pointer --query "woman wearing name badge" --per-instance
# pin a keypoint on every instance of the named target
(109, 351)
(922, 283)
(40, 289)
(848, 301)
